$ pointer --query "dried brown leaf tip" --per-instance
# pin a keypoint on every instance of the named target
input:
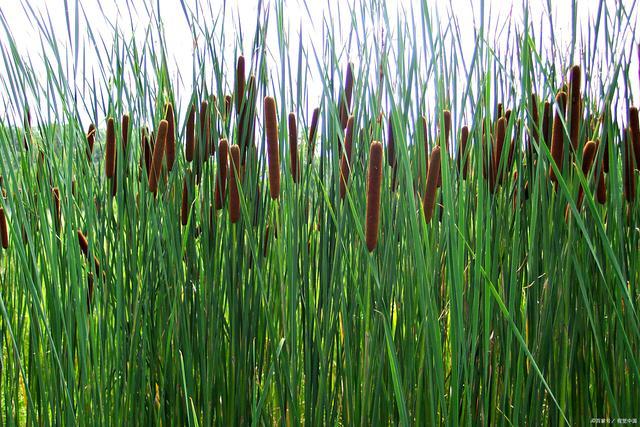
(374, 182)
(273, 152)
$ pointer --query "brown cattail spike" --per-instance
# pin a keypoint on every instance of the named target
(125, 131)
(146, 151)
(345, 160)
(56, 203)
(391, 146)
(184, 209)
(634, 128)
(110, 152)
(190, 144)
(273, 152)
(374, 182)
(496, 172)
(312, 131)
(293, 147)
(171, 137)
(588, 156)
(629, 181)
(158, 154)
(463, 161)
(4, 231)
(227, 106)
(221, 181)
(429, 200)
(91, 139)
(447, 124)
(234, 197)
(345, 104)
(575, 110)
(557, 139)
(240, 83)
(204, 131)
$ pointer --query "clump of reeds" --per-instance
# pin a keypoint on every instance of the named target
(171, 137)
(374, 182)
(345, 101)
(234, 196)
(158, 154)
(345, 160)
(557, 139)
(575, 110)
(221, 181)
(313, 128)
(429, 199)
(91, 139)
(293, 147)
(4, 231)
(273, 152)
(190, 143)
(110, 151)
(629, 182)
(184, 207)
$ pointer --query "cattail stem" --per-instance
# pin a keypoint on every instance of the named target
(158, 154)
(293, 147)
(429, 200)
(273, 152)
(4, 231)
(234, 197)
(221, 181)
(374, 182)
(146, 152)
(110, 152)
(171, 137)
(345, 160)
(190, 144)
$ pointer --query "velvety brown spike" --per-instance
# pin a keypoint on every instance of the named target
(557, 140)
(312, 131)
(184, 208)
(110, 151)
(84, 248)
(293, 147)
(574, 110)
(447, 124)
(429, 200)
(497, 153)
(89, 290)
(240, 83)
(171, 137)
(425, 142)
(463, 165)
(629, 182)
(265, 246)
(601, 188)
(345, 104)
(221, 180)
(234, 196)
(273, 151)
(227, 106)
(146, 152)
(56, 203)
(190, 144)
(125, 131)
(204, 130)
(158, 154)
(91, 139)
(535, 121)
(391, 145)
(588, 156)
(634, 128)
(547, 122)
(345, 160)
(374, 182)
(4, 231)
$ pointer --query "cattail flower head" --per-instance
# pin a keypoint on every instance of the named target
(234, 196)
(171, 137)
(588, 156)
(158, 154)
(273, 152)
(91, 139)
(345, 103)
(293, 147)
(575, 110)
(429, 200)
(345, 160)
(634, 129)
(496, 173)
(547, 121)
(463, 160)
(221, 181)
(313, 128)
(190, 143)
(557, 139)
(125, 131)
(447, 124)
(629, 182)
(374, 182)
(4, 231)
(204, 129)
(240, 83)
(110, 152)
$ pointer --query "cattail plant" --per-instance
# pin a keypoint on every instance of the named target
(234, 196)
(171, 137)
(574, 110)
(184, 208)
(190, 143)
(273, 152)
(110, 151)
(345, 100)
(628, 178)
(91, 139)
(4, 231)
(221, 181)
(374, 182)
(345, 160)
(313, 128)
(634, 129)
(293, 147)
(557, 139)
(158, 154)
(429, 200)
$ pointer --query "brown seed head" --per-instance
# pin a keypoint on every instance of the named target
(240, 83)
(634, 128)
(557, 139)
(190, 144)
(4, 231)
(462, 152)
(629, 181)
(588, 156)
(429, 200)
(110, 152)
(171, 137)
(293, 147)
(125, 131)
(312, 131)
(273, 152)
(374, 182)
(234, 196)
(158, 154)
(574, 110)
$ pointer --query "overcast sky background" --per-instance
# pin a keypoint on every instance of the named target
(180, 44)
